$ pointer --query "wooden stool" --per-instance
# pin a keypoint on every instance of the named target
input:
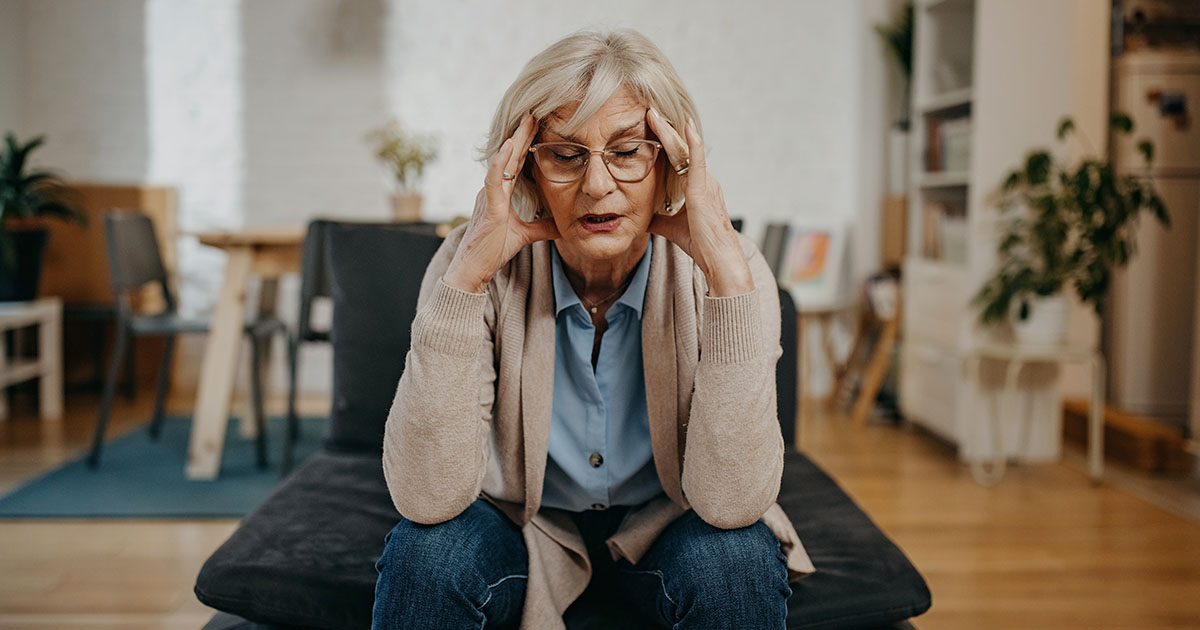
(46, 314)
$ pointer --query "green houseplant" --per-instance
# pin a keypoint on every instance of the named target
(1066, 227)
(26, 197)
(898, 38)
(405, 155)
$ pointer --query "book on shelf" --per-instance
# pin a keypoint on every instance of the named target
(933, 145)
(955, 144)
(944, 231)
(931, 242)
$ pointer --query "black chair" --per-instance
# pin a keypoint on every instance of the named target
(134, 261)
(315, 282)
(305, 558)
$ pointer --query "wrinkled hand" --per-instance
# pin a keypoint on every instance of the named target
(701, 228)
(495, 232)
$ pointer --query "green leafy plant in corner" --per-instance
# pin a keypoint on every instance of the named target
(1066, 226)
(406, 155)
(26, 193)
(898, 37)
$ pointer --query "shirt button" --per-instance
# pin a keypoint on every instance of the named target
(598, 506)
(595, 460)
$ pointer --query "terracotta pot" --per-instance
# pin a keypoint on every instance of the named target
(406, 206)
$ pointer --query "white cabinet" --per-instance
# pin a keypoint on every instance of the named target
(991, 80)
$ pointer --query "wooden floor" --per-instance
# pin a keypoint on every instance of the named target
(1044, 549)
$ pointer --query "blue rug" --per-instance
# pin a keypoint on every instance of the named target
(141, 478)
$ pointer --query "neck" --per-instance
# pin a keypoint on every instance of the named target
(596, 279)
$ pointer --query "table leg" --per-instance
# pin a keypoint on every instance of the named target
(802, 380)
(825, 320)
(1096, 420)
(50, 383)
(219, 368)
(1008, 400)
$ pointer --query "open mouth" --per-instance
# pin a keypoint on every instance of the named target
(601, 222)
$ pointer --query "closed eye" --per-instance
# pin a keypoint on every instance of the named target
(568, 156)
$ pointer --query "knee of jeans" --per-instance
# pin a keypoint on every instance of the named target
(443, 551)
(749, 555)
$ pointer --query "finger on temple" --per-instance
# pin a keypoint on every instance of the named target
(520, 139)
(493, 180)
(671, 141)
(695, 146)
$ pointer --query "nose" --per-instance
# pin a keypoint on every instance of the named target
(597, 181)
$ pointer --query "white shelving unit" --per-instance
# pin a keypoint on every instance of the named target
(1000, 73)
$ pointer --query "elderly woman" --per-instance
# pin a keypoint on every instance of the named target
(589, 398)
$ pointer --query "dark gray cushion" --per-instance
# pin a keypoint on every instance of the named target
(863, 580)
(376, 272)
(307, 555)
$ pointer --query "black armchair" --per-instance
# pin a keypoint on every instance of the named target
(305, 558)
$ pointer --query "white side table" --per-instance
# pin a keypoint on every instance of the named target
(1018, 356)
(46, 314)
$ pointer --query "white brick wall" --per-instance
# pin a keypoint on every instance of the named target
(12, 52)
(85, 87)
(257, 110)
(776, 85)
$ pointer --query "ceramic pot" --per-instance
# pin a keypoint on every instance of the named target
(1046, 324)
(19, 283)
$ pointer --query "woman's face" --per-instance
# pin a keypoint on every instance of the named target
(598, 216)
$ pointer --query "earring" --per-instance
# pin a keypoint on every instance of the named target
(667, 205)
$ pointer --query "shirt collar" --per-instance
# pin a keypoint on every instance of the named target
(633, 297)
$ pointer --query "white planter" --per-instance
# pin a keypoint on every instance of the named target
(1047, 322)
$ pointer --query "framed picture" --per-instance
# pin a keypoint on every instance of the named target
(813, 265)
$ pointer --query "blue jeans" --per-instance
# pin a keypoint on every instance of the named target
(471, 571)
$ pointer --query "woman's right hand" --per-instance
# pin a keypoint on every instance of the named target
(495, 232)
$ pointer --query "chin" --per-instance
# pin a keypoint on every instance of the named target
(603, 244)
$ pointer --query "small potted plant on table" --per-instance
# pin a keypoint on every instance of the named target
(406, 156)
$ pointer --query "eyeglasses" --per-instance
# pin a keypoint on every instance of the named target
(565, 162)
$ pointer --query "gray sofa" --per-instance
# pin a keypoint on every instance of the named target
(305, 558)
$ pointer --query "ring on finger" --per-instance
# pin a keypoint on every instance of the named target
(506, 176)
(683, 166)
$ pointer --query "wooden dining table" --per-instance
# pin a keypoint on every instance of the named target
(268, 253)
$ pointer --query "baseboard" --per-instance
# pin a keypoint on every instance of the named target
(1143, 443)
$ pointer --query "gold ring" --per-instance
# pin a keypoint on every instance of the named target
(683, 166)
(506, 176)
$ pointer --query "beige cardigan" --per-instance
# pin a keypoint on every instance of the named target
(471, 416)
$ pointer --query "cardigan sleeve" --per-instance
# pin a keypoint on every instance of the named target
(733, 458)
(437, 431)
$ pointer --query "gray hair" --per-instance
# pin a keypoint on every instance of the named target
(587, 67)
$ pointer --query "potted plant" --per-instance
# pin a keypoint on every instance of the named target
(26, 197)
(406, 156)
(897, 37)
(1066, 227)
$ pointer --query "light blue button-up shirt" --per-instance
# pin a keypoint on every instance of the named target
(599, 453)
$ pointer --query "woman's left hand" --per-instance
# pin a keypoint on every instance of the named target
(701, 228)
